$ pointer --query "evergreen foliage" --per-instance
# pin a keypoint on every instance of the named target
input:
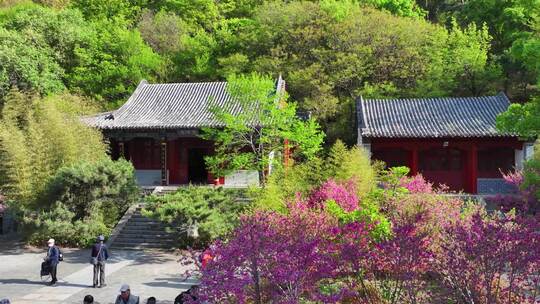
(215, 212)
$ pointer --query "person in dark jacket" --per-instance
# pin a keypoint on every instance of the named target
(99, 251)
(53, 256)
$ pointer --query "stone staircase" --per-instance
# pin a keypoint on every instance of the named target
(136, 231)
(162, 190)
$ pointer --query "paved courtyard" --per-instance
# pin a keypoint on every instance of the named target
(149, 273)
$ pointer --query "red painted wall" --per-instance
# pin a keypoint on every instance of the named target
(472, 158)
(144, 153)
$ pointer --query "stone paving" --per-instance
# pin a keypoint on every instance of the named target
(149, 273)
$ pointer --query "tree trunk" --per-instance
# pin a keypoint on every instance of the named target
(256, 280)
(262, 178)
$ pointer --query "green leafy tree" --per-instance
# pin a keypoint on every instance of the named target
(125, 10)
(525, 51)
(330, 55)
(352, 164)
(253, 137)
(523, 119)
(196, 12)
(406, 8)
(162, 31)
(38, 136)
(462, 64)
(27, 66)
(112, 63)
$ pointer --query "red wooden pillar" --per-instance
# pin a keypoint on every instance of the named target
(286, 153)
(414, 161)
(472, 170)
(164, 162)
(173, 162)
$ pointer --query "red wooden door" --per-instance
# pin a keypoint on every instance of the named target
(443, 166)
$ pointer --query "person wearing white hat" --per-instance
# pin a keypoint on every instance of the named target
(53, 258)
(125, 296)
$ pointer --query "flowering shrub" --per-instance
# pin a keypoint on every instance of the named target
(340, 200)
(490, 260)
(401, 264)
(331, 247)
(523, 200)
(343, 194)
(417, 184)
(272, 258)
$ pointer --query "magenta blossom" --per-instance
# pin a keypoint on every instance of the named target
(344, 194)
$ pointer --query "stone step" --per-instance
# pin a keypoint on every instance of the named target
(143, 229)
(145, 237)
(141, 232)
(145, 223)
(131, 232)
(136, 241)
(124, 246)
(140, 218)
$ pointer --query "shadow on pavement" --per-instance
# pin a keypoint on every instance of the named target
(22, 282)
(28, 282)
(13, 244)
(173, 283)
(151, 257)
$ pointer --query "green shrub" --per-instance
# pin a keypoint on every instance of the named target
(88, 200)
(285, 183)
(61, 224)
(108, 184)
(345, 164)
(341, 165)
(214, 211)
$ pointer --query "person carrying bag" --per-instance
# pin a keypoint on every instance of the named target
(98, 258)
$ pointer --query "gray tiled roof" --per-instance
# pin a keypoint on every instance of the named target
(431, 117)
(168, 106)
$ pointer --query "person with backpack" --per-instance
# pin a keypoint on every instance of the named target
(100, 254)
(52, 258)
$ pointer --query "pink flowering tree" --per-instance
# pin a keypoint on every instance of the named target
(417, 184)
(272, 257)
(523, 200)
(340, 200)
(401, 263)
(344, 194)
(490, 260)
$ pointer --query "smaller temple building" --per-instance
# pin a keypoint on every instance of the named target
(158, 130)
(450, 141)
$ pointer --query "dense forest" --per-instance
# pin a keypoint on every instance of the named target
(328, 51)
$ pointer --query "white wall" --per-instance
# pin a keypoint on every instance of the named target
(242, 178)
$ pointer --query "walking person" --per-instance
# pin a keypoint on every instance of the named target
(52, 258)
(100, 254)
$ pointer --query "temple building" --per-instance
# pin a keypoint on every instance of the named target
(158, 129)
(450, 141)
